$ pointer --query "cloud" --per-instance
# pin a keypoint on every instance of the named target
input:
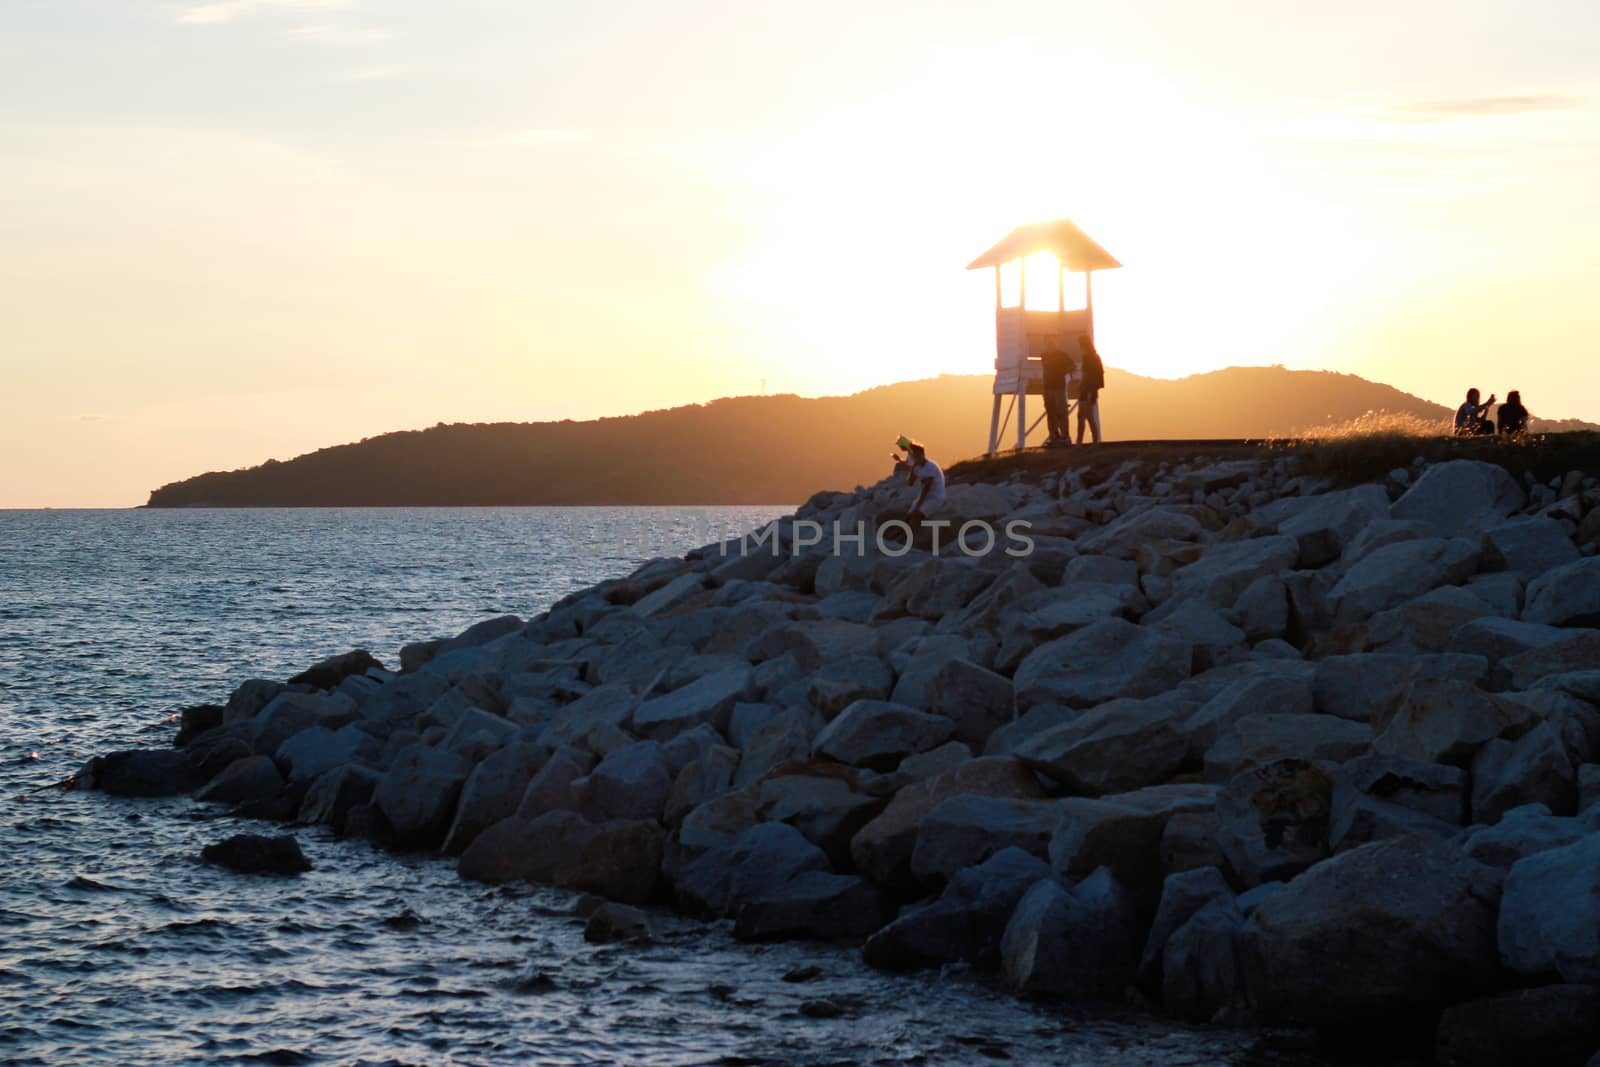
(219, 11)
(332, 34)
(1479, 107)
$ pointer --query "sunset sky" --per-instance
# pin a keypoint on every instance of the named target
(243, 229)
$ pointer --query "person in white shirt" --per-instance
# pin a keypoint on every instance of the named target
(928, 477)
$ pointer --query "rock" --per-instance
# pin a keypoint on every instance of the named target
(669, 596)
(1189, 842)
(1123, 537)
(1391, 575)
(1550, 913)
(258, 854)
(1118, 747)
(1201, 973)
(418, 794)
(1081, 942)
(1576, 653)
(1273, 820)
(547, 849)
(252, 778)
(1432, 789)
(1460, 497)
(1276, 694)
(1212, 639)
(1410, 920)
(250, 698)
(815, 904)
(879, 734)
(1427, 623)
(759, 862)
(882, 849)
(784, 740)
(1534, 769)
(141, 772)
(1368, 687)
(493, 791)
(822, 801)
(966, 830)
(328, 673)
(621, 860)
(966, 922)
(977, 701)
(931, 588)
(291, 712)
(1522, 832)
(551, 788)
(1530, 546)
(1263, 608)
(1329, 522)
(612, 922)
(1557, 1025)
(702, 780)
(1123, 834)
(818, 642)
(631, 783)
(1359, 819)
(316, 750)
(1497, 639)
(707, 700)
(331, 797)
(1383, 532)
(1447, 721)
(196, 720)
(1227, 569)
(1105, 661)
(1566, 596)
(1182, 895)
(1260, 739)
(844, 682)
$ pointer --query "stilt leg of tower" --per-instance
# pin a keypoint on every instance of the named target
(1022, 418)
(994, 427)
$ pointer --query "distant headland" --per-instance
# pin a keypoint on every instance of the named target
(759, 449)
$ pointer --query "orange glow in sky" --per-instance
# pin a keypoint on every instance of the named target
(239, 231)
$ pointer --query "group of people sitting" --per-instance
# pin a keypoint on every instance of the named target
(1472, 418)
(1089, 375)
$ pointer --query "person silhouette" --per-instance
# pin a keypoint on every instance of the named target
(1512, 416)
(1089, 386)
(1470, 420)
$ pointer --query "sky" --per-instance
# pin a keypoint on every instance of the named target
(233, 230)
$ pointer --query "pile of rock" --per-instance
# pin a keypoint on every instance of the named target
(1253, 746)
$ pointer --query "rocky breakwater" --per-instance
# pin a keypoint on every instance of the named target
(1217, 736)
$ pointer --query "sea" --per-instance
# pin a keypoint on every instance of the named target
(118, 946)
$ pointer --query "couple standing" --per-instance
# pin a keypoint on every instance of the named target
(1091, 375)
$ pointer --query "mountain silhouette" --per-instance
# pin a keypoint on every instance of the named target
(763, 449)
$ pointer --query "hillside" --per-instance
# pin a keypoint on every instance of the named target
(760, 449)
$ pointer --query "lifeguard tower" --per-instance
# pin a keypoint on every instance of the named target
(1023, 335)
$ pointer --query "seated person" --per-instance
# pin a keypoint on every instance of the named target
(1512, 415)
(1470, 417)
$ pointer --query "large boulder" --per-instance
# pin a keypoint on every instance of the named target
(258, 854)
(1533, 769)
(1273, 820)
(290, 712)
(553, 786)
(966, 922)
(1554, 1025)
(1260, 739)
(977, 701)
(882, 848)
(630, 783)
(334, 794)
(1433, 789)
(1391, 575)
(1520, 834)
(1123, 834)
(1550, 913)
(709, 699)
(1252, 694)
(758, 863)
(1118, 747)
(814, 904)
(1110, 659)
(328, 673)
(1226, 570)
(841, 683)
(1368, 686)
(1201, 972)
(491, 792)
(1530, 546)
(317, 749)
(1460, 497)
(155, 772)
(1182, 896)
(1566, 596)
(1578, 652)
(249, 698)
(547, 849)
(622, 860)
(879, 734)
(418, 794)
(1329, 522)
(1080, 942)
(1447, 721)
(967, 830)
(253, 778)
(934, 587)
(1382, 935)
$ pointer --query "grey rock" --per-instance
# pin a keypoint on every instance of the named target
(1530, 545)
(966, 830)
(332, 796)
(815, 904)
(975, 700)
(1226, 570)
(1557, 1025)
(1522, 833)
(1550, 913)
(1201, 972)
(1182, 895)
(966, 922)
(1273, 820)
(1117, 747)
(491, 792)
(1389, 576)
(1107, 660)
(879, 734)
(758, 863)
(1566, 596)
(1081, 942)
(1459, 497)
(418, 794)
(708, 700)
(841, 683)
(1533, 769)
(631, 783)
(290, 712)
(249, 779)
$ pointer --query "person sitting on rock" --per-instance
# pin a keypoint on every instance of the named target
(1512, 416)
(928, 477)
(1470, 417)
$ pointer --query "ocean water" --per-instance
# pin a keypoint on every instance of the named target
(118, 946)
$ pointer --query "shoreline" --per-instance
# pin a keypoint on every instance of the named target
(1175, 749)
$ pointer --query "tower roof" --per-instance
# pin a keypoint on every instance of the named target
(1075, 250)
